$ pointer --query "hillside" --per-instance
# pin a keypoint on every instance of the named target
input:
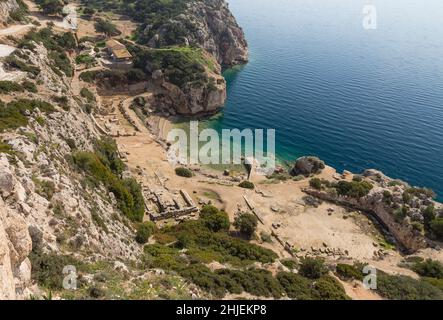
(86, 184)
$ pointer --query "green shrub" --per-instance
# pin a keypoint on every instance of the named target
(106, 27)
(436, 226)
(50, 6)
(56, 45)
(106, 148)
(184, 172)
(428, 215)
(355, 189)
(429, 268)
(126, 191)
(406, 288)
(88, 76)
(18, 64)
(204, 244)
(144, 232)
(312, 268)
(291, 264)
(47, 268)
(328, 288)
(14, 114)
(246, 185)
(84, 59)
(85, 93)
(295, 286)
(315, 183)
(182, 66)
(214, 219)
(29, 86)
(246, 223)
(258, 282)
(10, 86)
(348, 272)
(5, 148)
(438, 283)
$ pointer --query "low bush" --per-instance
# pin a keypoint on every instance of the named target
(29, 86)
(406, 288)
(348, 272)
(291, 264)
(329, 288)
(84, 59)
(5, 148)
(315, 183)
(184, 172)
(144, 232)
(214, 219)
(246, 185)
(87, 94)
(47, 268)
(312, 268)
(295, 286)
(246, 223)
(18, 64)
(127, 191)
(436, 226)
(88, 76)
(429, 268)
(10, 86)
(355, 189)
(15, 114)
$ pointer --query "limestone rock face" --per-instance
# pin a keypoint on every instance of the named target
(218, 32)
(6, 7)
(307, 166)
(208, 24)
(15, 245)
(192, 100)
(66, 221)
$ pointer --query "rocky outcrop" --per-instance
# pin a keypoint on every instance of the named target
(307, 165)
(43, 197)
(6, 7)
(208, 24)
(191, 100)
(15, 245)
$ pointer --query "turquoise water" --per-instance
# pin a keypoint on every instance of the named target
(356, 98)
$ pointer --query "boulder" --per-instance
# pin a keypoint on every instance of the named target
(307, 166)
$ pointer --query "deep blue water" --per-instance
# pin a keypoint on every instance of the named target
(356, 98)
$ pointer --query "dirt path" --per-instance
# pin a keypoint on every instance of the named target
(16, 30)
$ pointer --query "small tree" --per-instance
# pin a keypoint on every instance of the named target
(144, 231)
(52, 7)
(429, 268)
(312, 268)
(246, 185)
(246, 223)
(183, 172)
(315, 183)
(437, 227)
(106, 27)
(214, 219)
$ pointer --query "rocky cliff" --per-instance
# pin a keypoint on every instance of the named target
(208, 24)
(43, 197)
(6, 7)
